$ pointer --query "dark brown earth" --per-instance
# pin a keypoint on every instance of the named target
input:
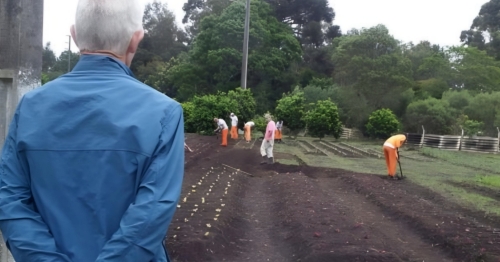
(302, 213)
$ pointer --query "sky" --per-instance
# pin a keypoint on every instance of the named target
(437, 21)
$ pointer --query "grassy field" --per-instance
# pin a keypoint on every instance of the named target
(454, 175)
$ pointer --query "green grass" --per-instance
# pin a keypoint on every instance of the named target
(436, 172)
(492, 181)
(480, 161)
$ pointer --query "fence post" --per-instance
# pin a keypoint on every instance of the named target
(460, 141)
(498, 149)
(422, 138)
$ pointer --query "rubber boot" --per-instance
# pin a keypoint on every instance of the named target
(270, 160)
(264, 161)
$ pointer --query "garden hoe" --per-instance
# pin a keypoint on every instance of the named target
(400, 170)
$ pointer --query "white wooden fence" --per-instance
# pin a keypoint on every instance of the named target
(456, 143)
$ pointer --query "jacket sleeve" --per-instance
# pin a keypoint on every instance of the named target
(144, 224)
(26, 234)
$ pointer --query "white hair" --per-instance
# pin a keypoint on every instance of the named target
(268, 116)
(107, 24)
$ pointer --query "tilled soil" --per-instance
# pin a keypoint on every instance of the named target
(302, 213)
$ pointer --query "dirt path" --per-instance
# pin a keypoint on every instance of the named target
(259, 243)
(377, 230)
(310, 214)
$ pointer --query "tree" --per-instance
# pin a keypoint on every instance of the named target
(196, 10)
(163, 40)
(458, 99)
(427, 60)
(61, 65)
(474, 70)
(484, 32)
(435, 115)
(314, 93)
(431, 88)
(323, 120)
(382, 124)
(371, 70)
(48, 58)
(291, 110)
(214, 62)
(311, 20)
(485, 108)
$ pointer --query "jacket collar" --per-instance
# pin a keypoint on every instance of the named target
(102, 63)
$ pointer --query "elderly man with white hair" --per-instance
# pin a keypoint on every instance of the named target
(93, 163)
(266, 149)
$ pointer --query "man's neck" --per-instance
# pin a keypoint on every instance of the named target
(104, 53)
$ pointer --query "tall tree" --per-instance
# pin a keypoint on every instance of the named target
(48, 58)
(163, 39)
(214, 63)
(61, 64)
(474, 70)
(196, 10)
(371, 69)
(484, 32)
(311, 20)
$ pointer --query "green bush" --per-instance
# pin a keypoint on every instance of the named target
(323, 120)
(382, 124)
(209, 106)
(245, 105)
(188, 108)
(260, 124)
(291, 110)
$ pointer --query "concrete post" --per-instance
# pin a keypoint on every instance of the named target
(246, 36)
(21, 49)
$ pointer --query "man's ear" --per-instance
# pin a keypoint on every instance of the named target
(73, 34)
(134, 42)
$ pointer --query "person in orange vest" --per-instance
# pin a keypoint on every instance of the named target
(221, 125)
(391, 146)
(234, 126)
(278, 134)
(248, 130)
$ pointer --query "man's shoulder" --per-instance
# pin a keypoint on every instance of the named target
(124, 83)
(160, 98)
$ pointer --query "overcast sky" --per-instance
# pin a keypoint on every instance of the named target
(438, 21)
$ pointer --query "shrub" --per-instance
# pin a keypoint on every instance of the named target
(323, 120)
(260, 124)
(245, 104)
(382, 124)
(209, 106)
(291, 109)
(188, 108)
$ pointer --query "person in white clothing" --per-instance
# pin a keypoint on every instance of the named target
(221, 125)
(278, 134)
(248, 131)
(234, 126)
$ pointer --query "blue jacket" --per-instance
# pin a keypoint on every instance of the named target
(91, 168)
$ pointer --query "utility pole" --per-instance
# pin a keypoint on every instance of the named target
(69, 53)
(244, 67)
